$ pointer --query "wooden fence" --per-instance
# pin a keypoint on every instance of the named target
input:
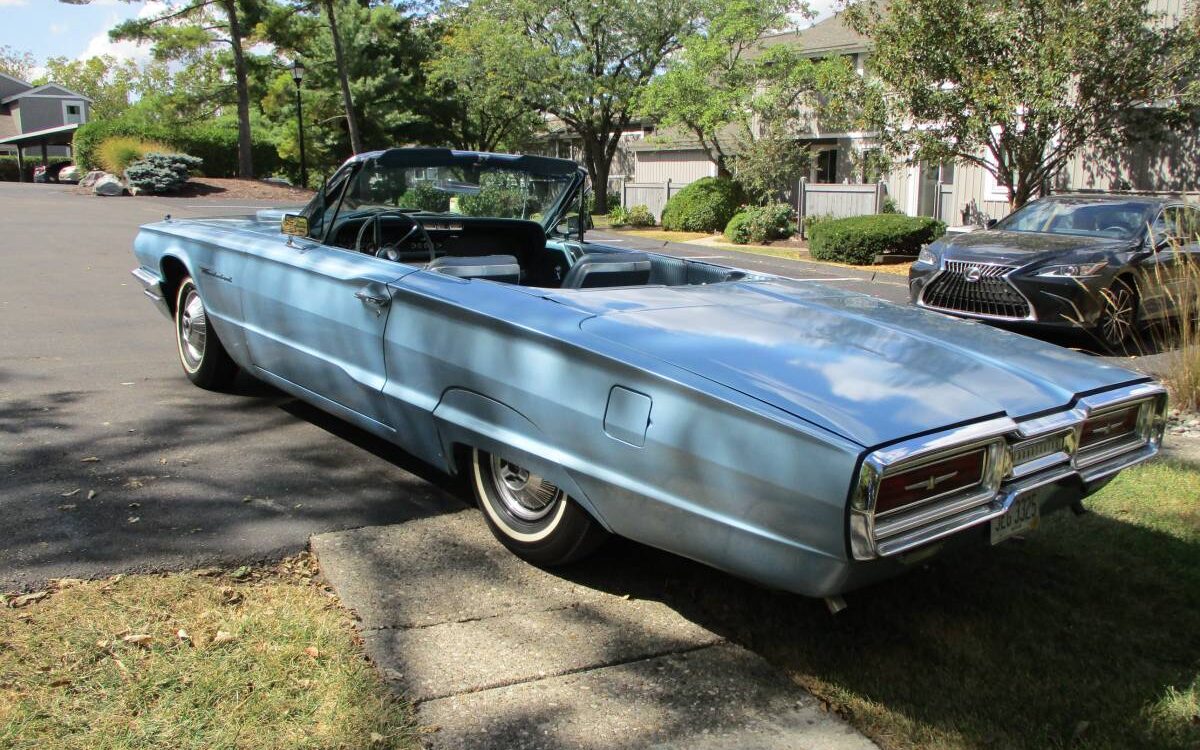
(838, 200)
(652, 195)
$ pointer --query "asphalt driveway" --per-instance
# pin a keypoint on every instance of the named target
(110, 460)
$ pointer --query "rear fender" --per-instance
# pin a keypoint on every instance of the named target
(471, 419)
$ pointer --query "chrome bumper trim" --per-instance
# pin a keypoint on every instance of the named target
(899, 531)
(152, 288)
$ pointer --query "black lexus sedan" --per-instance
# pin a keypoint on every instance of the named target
(1105, 263)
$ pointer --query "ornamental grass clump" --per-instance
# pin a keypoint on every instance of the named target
(161, 173)
(115, 154)
(1182, 340)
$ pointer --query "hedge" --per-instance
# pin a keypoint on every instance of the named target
(215, 143)
(8, 166)
(859, 239)
(705, 205)
(760, 224)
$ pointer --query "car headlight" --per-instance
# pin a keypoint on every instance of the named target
(1073, 270)
(927, 255)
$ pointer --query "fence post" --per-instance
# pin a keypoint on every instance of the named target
(624, 194)
(801, 199)
(665, 200)
(878, 197)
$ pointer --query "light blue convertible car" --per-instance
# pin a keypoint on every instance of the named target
(794, 434)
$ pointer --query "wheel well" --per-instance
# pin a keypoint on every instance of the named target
(460, 460)
(173, 272)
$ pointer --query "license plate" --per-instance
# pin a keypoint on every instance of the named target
(1022, 516)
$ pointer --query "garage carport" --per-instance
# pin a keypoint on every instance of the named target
(63, 135)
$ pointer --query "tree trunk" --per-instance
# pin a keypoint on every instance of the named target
(245, 143)
(356, 144)
(597, 166)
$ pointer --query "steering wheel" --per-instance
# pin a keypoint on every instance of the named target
(376, 224)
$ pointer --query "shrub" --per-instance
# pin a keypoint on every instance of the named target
(161, 173)
(640, 216)
(705, 205)
(426, 197)
(115, 154)
(812, 220)
(618, 216)
(8, 167)
(500, 194)
(859, 239)
(889, 206)
(760, 224)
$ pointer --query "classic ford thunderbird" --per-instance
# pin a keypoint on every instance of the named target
(801, 436)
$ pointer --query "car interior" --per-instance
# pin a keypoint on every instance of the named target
(513, 251)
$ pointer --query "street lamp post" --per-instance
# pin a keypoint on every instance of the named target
(298, 76)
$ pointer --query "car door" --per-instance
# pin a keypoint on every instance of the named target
(315, 317)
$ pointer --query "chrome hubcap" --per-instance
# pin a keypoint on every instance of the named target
(524, 494)
(193, 329)
(1117, 323)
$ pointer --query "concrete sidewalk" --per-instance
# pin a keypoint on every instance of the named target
(497, 653)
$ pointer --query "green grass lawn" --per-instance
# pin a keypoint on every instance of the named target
(1085, 634)
(104, 664)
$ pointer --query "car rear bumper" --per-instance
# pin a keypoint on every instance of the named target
(152, 288)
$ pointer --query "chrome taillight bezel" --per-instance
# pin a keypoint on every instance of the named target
(927, 519)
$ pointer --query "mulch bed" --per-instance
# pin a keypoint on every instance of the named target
(227, 188)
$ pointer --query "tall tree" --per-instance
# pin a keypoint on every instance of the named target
(15, 63)
(112, 84)
(190, 28)
(1018, 87)
(587, 61)
(469, 72)
(356, 143)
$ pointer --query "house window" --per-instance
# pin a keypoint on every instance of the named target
(72, 112)
(825, 166)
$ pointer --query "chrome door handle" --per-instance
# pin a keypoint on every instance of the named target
(373, 301)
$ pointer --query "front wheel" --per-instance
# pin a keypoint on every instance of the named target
(1118, 316)
(204, 359)
(532, 517)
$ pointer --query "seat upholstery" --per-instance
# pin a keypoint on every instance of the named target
(502, 268)
(608, 269)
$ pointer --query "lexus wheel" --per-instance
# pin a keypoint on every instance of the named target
(204, 359)
(530, 516)
(1118, 316)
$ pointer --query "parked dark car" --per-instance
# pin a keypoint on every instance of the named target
(1105, 263)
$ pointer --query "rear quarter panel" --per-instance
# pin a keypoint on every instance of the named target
(720, 478)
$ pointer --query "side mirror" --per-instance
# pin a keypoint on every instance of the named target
(991, 223)
(294, 225)
(569, 227)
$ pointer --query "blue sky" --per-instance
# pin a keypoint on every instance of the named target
(48, 28)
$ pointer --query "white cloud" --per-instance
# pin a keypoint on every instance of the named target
(57, 28)
(13, 3)
(100, 44)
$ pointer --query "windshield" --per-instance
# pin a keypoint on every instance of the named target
(462, 190)
(1123, 220)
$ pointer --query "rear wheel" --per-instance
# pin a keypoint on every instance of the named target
(204, 359)
(530, 516)
(1118, 315)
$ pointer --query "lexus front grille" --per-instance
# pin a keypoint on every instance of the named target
(976, 289)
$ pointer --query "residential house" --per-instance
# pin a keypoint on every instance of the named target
(954, 192)
(40, 121)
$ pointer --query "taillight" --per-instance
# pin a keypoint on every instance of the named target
(1110, 426)
(931, 480)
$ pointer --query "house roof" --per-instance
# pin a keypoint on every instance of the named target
(16, 80)
(61, 135)
(830, 35)
(38, 91)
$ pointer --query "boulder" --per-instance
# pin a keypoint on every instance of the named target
(90, 178)
(69, 173)
(108, 185)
